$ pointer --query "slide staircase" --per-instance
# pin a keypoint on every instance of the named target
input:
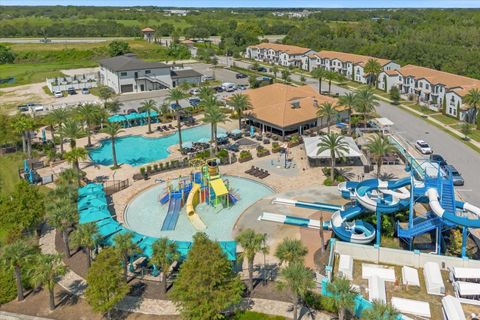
(419, 228)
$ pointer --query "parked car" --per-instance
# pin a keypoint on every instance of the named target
(438, 159)
(423, 147)
(58, 94)
(85, 91)
(456, 176)
(71, 91)
(208, 78)
(194, 91)
(175, 106)
(240, 76)
(194, 102)
(229, 87)
(262, 69)
(218, 89)
(233, 147)
(22, 108)
(242, 86)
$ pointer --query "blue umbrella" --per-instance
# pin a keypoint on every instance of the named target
(93, 215)
(92, 203)
(44, 135)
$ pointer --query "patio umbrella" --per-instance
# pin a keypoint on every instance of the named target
(92, 203)
(221, 136)
(204, 140)
(236, 131)
(93, 215)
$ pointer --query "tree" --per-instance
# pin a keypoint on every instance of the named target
(205, 92)
(106, 286)
(472, 99)
(251, 243)
(105, 93)
(213, 115)
(298, 280)
(372, 69)
(23, 125)
(330, 76)
(59, 117)
(113, 129)
(379, 146)
(72, 130)
(176, 95)
(48, 268)
(290, 251)
(466, 130)
(164, 254)
(87, 237)
(285, 75)
(89, 114)
(274, 70)
(148, 106)
(6, 54)
(14, 257)
(253, 82)
(344, 295)
(395, 95)
(113, 106)
(74, 156)
(327, 110)
(118, 48)
(380, 311)
(205, 264)
(240, 102)
(125, 247)
(365, 102)
(336, 145)
(319, 73)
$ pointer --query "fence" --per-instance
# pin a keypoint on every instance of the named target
(414, 259)
(76, 82)
(110, 187)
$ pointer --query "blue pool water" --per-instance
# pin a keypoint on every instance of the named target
(145, 215)
(139, 150)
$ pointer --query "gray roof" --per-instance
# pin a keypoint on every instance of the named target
(184, 73)
(129, 62)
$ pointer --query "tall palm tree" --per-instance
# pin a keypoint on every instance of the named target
(176, 95)
(319, 73)
(72, 130)
(348, 101)
(58, 117)
(274, 70)
(290, 251)
(87, 237)
(205, 92)
(88, 114)
(327, 110)
(165, 252)
(330, 76)
(336, 145)
(23, 125)
(365, 102)
(298, 280)
(213, 115)
(14, 257)
(285, 75)
(113, 129)
(372, 68)
(344, 295)
(380, 311)
(379, 146)
(74, 156)
(240, 102)
(252, 243)
(472, 98)
(113, 106)
(125, 247)
(48, 268)
(149, 106)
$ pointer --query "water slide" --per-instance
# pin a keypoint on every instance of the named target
(192, 201)
(307, 205)
(173, 212)
(385, 196)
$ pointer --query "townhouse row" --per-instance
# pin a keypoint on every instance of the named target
(435, 89)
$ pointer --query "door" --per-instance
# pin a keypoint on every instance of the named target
(142, 87)
(126, 88)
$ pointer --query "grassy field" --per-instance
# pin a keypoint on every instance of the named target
(445, 119)
(9, 165)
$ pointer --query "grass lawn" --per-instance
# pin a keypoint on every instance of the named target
(251, 315)
(9, 164)
(475, 135)
(445, 119)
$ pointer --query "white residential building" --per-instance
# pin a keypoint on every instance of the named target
(281, 54)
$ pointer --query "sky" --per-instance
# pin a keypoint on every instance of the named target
(261, 3)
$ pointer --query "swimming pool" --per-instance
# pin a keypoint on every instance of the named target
(139, 150)
(145, 214)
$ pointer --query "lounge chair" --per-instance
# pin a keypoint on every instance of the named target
(249, 171)
(263, 174)
(165, 128)
(170, 126)
(258, 172)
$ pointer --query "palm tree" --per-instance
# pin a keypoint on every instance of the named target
(58, 117)
(213, 115)
(348, 101)
(88, 113)
(72, 130)
(285, 75)
(113, 106)
(87, 237)
(23, 125)
(67, 177)
(344, 295)
(379, 146)
(240, 102)
(336, 145)
(290, 251)
(164, 254)
(330, 76)
(472, 98)
(380, 311)
(14, 257)
(75, 155)
(319, 73)
(372, 68)
(327, 110)
(274, 70)
(298, 280)
(176, 95)
(62, 216)
(125, 248)
(252, 243)
(148, 106)
(113, 129)
(365, 102)
(48, 268)
(205, 92)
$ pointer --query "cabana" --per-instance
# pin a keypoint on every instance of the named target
(315, 159)
(345, 267)
(410, 276)
(376, 289)
(433, 279)
(383, 124)
(467, 290)
(452, 309)
(373, 270)
(413, 307)
(464, 274)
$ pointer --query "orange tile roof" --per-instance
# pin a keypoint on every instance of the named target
(148, 30)
(391, 72)
(350, 57)
(273, 104)
(281, 47)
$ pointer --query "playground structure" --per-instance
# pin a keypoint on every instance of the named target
(427, 184)
(203, 185)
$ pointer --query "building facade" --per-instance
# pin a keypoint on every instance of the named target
(280, 54)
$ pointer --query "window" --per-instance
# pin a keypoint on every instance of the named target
(123, 74)
(148, 71)
(426, 86)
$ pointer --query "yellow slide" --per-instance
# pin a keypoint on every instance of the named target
(192, 201)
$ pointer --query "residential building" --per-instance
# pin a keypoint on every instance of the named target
(128, 73)
(348, 64)
(281, 54)
(283, 109)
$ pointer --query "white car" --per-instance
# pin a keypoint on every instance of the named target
(423, 147)
(195, 91)
(58, 94)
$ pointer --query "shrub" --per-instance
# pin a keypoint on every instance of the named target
(149, 169)
(8, 289)
(328, 304)
(245, 154)
(142, 171)
(252, 315)
(155, 167)
(328, 182)
(161, 166)
(222, 154)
